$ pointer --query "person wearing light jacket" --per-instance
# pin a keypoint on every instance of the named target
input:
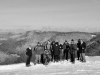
(39, 49)
(83, 50)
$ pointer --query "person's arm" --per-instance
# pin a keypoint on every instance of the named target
(35, 48)
(27, 51)
(69, 48)
(84, 45)
(51, 48)
(77, 46)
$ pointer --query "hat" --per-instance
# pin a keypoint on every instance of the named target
(65, 40)
(72, 40)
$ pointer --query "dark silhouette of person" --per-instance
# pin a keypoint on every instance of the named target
(52, 50)
(42, 54)
(61, 52)
(78, 49)
(44, 59)
(56, 52)
(29, 56)
(72, 51)
(66, 48)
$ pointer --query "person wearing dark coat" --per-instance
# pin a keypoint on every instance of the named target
(78, 49)
(52, 50)
(82, 54)
(56, 52)
(61, 52)
(66, 48)
(29, 55)
(72, 51)
(42, 54)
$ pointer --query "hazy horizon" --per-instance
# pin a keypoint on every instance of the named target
(54, 15)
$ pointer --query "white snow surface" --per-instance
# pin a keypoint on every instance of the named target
(91, 67)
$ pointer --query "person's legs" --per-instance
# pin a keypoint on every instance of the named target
(67, 55)
(47, 58)
(60, 57)
(64, 55)
(78, 55)
(52, 55)
(27, 61)
(42, 58)
(57, 58)
(54, 58)
(71, 57)
(83, 55)
(39, 58)
(36, 59)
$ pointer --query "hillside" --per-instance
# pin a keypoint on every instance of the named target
(93, 48)
(16, 43)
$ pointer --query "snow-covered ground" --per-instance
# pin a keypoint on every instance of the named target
(91, 67)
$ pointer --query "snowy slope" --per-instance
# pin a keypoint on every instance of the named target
(91, 67)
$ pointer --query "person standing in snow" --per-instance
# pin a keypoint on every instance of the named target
(66, 48)
(48, 51)
(56, 52)
(29, 56)
(72, 51)
(42, 54)
(79, 47)
(82, 54)
(52, 50)
(61, 52)
(39, 51)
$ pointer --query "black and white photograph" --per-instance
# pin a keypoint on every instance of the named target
(49, 37)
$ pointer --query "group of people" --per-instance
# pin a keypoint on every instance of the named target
(55, 51)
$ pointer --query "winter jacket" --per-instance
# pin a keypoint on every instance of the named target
(61, 49)
(64, 46)
(72, 48)
(56, 49)
(79, 46)
(67, 47)
(29, 52)
(48, 47)
(52, 47)
(83, 47)
(39, 50)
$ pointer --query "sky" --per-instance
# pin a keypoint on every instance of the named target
(61, 15)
